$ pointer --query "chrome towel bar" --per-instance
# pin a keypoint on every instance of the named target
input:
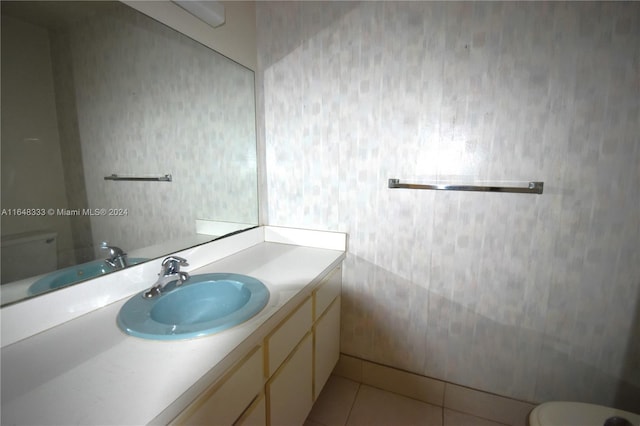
(165, 178)
(531, 188)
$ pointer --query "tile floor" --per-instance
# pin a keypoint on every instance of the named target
(345, 402)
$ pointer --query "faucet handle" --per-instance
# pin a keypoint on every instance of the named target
(113, 250)
(180, 260)
(172, 264)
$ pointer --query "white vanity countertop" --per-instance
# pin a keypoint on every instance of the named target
(86, 371)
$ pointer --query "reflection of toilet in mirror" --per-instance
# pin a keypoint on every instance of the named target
(563, 413)
(27, 254)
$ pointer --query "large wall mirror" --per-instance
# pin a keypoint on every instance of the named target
(92, 89)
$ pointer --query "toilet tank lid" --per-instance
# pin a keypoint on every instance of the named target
(565, 413)
(26, 237)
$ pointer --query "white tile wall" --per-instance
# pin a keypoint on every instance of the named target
(528, 296)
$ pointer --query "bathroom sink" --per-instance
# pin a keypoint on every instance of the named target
(73, 274)
(205, 304)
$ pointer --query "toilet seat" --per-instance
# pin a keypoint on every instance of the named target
(564, 413)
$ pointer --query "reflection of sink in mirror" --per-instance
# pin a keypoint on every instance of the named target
(73, 274)
(205, 304)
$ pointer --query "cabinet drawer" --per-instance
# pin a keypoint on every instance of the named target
(287, 335)
(289, 392)
(328, 290)
(225, 401)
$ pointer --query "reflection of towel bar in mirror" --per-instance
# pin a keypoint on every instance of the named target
(165, 178)
(531, 188)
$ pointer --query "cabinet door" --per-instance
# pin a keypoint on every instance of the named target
(287, 335)
(326, 333)
(289, 392)
(225, 401)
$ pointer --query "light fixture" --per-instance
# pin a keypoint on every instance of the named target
(211, 12)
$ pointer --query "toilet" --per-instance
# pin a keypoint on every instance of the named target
(564, 413)
(28, 254)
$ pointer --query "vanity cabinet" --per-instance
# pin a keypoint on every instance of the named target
(277, 382)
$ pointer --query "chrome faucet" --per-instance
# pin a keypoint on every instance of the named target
(169, 272)
(117, 257)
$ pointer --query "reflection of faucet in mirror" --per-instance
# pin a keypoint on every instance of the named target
(169, 272)
(117, 257)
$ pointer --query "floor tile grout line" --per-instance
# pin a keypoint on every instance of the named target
(360, 385)
(355, 397)
(413, 398)
(444, 398)
(476, 416)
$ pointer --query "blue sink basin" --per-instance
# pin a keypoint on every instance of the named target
(73, 274)
(205, 304)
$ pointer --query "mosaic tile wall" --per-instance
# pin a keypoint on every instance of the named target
(152, 102)
(535, 297)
